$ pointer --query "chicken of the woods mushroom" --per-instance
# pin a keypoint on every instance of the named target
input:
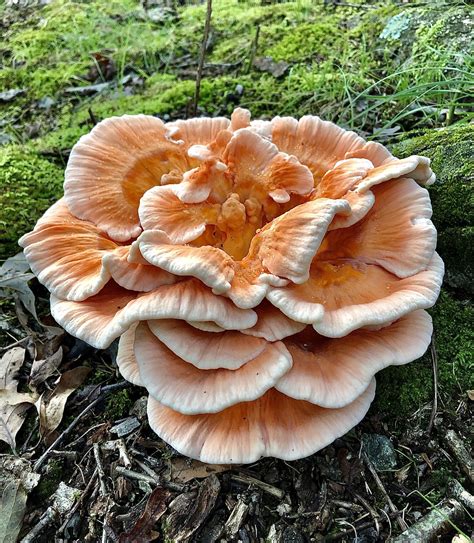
(258, 273)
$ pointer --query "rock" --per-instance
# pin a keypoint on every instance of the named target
(46, 103)
(379, 450)
(267, 64)
(5, 138)
(11, 94)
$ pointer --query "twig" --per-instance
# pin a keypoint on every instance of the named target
(100, 469)
(457, 491)
(269, 489)
(92, 117)
(151, 477)
(438, 521)
(46, 519)
(375, 516)
(202, 55)
(7, 347)
(104, 391)
(342, 535)
(135, 475)
(123, 454)
(253, 50)
(434, 360)
(378, 482)
(462, 455)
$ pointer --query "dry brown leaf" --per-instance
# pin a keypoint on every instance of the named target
(185, 469)
(187, 512)
(10, 364)
(144, 528)
(13, 404)
(44, 369)
(51, 408)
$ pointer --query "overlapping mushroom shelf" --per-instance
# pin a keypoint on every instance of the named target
(258, 273)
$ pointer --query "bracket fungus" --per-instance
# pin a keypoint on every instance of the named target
(258, 273)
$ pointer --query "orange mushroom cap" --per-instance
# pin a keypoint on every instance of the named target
(258, 273)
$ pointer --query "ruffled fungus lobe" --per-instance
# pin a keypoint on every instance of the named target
(258, 273)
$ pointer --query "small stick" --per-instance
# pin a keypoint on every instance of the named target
(378, 482)
(370, 509)
(201, 56)
(434, 360)
(46, 519)
(158, 480)
(135, 475)
(7, 347)
(123, 454)
(253, 50)
(100, 469)
(105, 390)
(438, 521)
(269, 489)
(462, 455)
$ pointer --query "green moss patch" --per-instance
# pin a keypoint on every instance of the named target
(29, 184)
(404, 389)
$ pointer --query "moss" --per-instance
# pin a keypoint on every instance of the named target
(451, 151)
(316, 40)
(49, 482)
(118, 405)
(29, 184)
(454, 340)
(456, 245)
(57, 43)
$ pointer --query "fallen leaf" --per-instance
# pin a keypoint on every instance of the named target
(16, 480)
(185, 469)
(470, 395)
(13, 404)
(14, 278)
(188, 511)
(10, 364)
(12, 509)
(51, 406)
(143, 529)
(44, 369)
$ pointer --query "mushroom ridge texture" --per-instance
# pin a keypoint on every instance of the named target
(258, 273)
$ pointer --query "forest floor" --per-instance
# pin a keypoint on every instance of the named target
(84, 464)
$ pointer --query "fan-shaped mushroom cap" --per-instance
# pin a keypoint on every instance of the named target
(333, 372)
(274, 425)
(126, 361)
(189, 390)
(105, 316)
(338, 299)
(71, 270)
(113, 166)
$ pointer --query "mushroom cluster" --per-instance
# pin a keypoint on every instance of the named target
(258, 273)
